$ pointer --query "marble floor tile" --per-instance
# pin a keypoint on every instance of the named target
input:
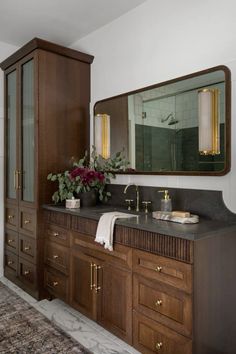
(85, 331)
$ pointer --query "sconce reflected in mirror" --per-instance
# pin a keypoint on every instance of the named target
(102, 135)
(209, 123)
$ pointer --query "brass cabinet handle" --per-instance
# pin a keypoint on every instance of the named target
(26, 248)
(54, 283)
(10, 217)
(15, 174)
(158, 302)
(26, 272)
(55, 256)
(26, 222)
(10, 262)
(18, 173)
(158, 269)
(55, 234)
(10, 240)
(92, 285)
(97, 287)
(159, 346)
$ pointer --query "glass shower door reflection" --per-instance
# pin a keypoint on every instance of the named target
(27, 132)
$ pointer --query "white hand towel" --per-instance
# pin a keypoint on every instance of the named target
(105, 228)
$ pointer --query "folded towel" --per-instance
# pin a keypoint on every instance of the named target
(105, 228)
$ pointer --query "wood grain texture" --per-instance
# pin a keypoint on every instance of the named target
(215, 294)
(115, 301)
(37, 43)
(148, 333)
(164, 304)
(61, 93)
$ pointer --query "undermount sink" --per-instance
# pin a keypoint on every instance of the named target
(101, 210)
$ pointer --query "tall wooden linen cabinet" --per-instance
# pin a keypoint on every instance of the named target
(47, 95)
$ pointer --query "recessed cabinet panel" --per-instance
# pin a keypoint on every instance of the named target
(11, 173)
(11, 241)
(27, 131)
(150, 337)
(11, 217)
(83, 296)
(115, 296)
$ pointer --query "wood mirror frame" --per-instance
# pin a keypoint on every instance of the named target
(118, 105)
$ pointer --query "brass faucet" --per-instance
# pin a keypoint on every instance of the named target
(137, 193)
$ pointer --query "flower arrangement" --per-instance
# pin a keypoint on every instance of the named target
(89, 173)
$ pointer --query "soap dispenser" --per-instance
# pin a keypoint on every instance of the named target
(166, 204)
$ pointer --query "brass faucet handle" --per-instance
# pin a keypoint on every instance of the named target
(129, 202)
(146, 203)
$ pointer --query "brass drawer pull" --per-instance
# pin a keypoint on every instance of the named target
(10, 217)
(158, 302)
(26, 272)
(54, 283)
(55, 256)
(10, 240)
(26, 222)
(97, 287)
(92, 285)
(158, 269)
(26, 248)
(55, 234)
(10, 262)
(159, 346)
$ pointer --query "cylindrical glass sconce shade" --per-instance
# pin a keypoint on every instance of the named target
(208, 119)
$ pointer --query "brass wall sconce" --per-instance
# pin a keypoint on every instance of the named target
(208, 117)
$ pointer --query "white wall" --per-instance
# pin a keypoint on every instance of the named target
(162, 40)
(5, 51)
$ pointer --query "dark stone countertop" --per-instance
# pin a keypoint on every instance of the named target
(205, 227)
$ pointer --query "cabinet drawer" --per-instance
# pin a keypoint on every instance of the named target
(27, 273)
(163, 303)
(166, 270)
(11, 241)
(57, 234)
(27, 248)
(11, 217)
(57, 256)
(150, 337)
(28, 221)
(57, 284)
(10, 261)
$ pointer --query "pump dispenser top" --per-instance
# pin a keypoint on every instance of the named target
(166, 204)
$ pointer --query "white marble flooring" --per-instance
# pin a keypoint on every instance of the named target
(87, 332)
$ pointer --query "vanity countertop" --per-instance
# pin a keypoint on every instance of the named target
(142, 221)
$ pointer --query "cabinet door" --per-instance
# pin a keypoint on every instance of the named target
(115, 301)
(11, 135)
(27, 131)
(82, 292)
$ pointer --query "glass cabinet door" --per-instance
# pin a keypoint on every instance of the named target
(27, 131)
(11, 160)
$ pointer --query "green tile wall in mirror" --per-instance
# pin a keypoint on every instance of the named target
(179, 127)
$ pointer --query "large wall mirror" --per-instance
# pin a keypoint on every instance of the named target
(179, 127)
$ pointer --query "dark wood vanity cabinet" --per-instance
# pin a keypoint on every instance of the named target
(101, 284)
(47, 95)
(159, 293)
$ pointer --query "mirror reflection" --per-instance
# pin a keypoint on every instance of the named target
(175, 127)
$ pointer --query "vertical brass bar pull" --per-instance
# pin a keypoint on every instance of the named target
(97, 287)
(18, 173)
(92, 285)
(15, 174)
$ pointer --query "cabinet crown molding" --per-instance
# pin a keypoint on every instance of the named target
(38, 43)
